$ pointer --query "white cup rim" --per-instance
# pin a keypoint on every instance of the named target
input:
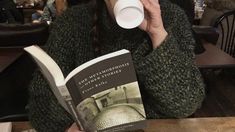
(134, 5)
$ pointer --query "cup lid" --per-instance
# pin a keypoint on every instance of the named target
(129, 14)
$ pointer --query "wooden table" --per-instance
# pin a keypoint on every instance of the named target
(220, 124)
(216, 124)
(20, 126)
(213, 57)
(8, 56)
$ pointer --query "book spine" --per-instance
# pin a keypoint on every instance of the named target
(69, 102)
(74, 114)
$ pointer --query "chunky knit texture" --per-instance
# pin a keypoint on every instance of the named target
(187, 6)
(170, 83)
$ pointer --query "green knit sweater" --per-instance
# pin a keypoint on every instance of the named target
(170, 83)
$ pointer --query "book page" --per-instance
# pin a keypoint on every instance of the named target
(51, 72)
(6, 126)
(47, 63)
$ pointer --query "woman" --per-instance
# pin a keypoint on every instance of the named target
(162, 50)
(214, 9)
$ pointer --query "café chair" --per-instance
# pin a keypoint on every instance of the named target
(226, 26)
(21, 35)
(204, 33)
(15, 79)
(208, 33)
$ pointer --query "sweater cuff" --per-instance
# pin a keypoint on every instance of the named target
(145, 56)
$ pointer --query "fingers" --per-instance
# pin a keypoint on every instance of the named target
(143, 25)
(154, 2)
(146, 4)
(152, 7)
(74, 128)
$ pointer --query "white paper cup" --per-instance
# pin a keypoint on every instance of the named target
(128, 13)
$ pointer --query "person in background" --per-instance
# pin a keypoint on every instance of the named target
(215, 8)
(162, 48)
(37, 16)
(9, 13)
(38, 3)
(3, 17)
(61, 6)
(48, 14)
(49, 11)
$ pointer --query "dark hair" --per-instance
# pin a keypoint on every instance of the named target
(97, 6)
(76, 2)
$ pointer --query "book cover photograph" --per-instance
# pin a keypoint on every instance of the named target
(102, 94)
(113, 107)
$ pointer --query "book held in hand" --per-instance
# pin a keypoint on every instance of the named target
(102, 94)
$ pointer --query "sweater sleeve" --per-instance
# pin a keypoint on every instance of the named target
(45, 113)
(171, 82)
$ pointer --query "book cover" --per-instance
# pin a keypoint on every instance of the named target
(103, 94)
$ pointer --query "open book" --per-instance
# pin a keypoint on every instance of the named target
(6, 126)
(102, 94)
